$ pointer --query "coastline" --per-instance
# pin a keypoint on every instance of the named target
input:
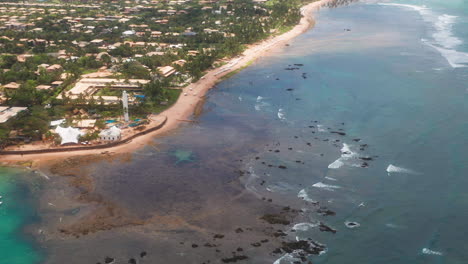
(191, 96)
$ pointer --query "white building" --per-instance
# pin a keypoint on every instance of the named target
(111, 134)
(69, 135)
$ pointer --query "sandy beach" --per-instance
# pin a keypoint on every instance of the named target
(191, 95)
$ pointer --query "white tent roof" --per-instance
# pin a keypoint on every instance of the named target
(68, 134)
(57, 122)
(111, 132)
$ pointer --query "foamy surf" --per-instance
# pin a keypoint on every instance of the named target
(324, 186)
(394, 169)
(427, 251)
(281, 114)
(260, 103)
(348, 157)
(304, 226)
(305, 196)
(286, 258)
(443, 38)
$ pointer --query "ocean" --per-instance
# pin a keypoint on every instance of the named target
(364, 116)
(16, 212)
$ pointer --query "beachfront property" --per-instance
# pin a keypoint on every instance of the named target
(111, 134)
(59, 57)
(88, 87)
(8, 112)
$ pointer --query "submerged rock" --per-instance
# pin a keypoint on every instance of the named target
(234, 259)
(108, 260)
(324, 211)
(325, 228)
(304, 246)
(275, 219)
(339, 133)
(218, 236)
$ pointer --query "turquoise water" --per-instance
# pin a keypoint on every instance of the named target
(15, 213)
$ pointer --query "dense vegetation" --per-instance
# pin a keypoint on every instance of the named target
(200, 35)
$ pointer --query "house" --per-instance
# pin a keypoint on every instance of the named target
(111, 134)
(9, 112)
(156, 34)
(84, 123)
(179, 62)
(43, 87)
(54, 67)
(56, 83)
(11, 86)
(166, 71)
(97, 41)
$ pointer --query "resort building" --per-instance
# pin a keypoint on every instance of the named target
(166, 71)
(111, 134)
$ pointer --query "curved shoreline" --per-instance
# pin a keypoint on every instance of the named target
(190, 97)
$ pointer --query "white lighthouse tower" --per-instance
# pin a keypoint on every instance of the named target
(125, 105)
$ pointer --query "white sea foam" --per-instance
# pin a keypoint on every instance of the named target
(348, 157)
(260, 103)
(336, 164)
(281, 114)
(352, 225)
(304, 226)
(324, 186)
(394, 169)
(279, 187)
(431, 252)
(443, 38)
(287, 258)
(305, 196)
(330, 178)
(320, 128)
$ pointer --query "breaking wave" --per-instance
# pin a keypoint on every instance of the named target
(427, 251)
(394, 169)
(347, 158)
(324, 186)
(443, 38)
(305, 196)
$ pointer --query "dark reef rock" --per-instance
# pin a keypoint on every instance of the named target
(234, 259)
(108, 260)
(339, 133)
(279, 233)
(275, 219)
(325, 228)
(218, 236)
(304, 246)
(325, 212)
